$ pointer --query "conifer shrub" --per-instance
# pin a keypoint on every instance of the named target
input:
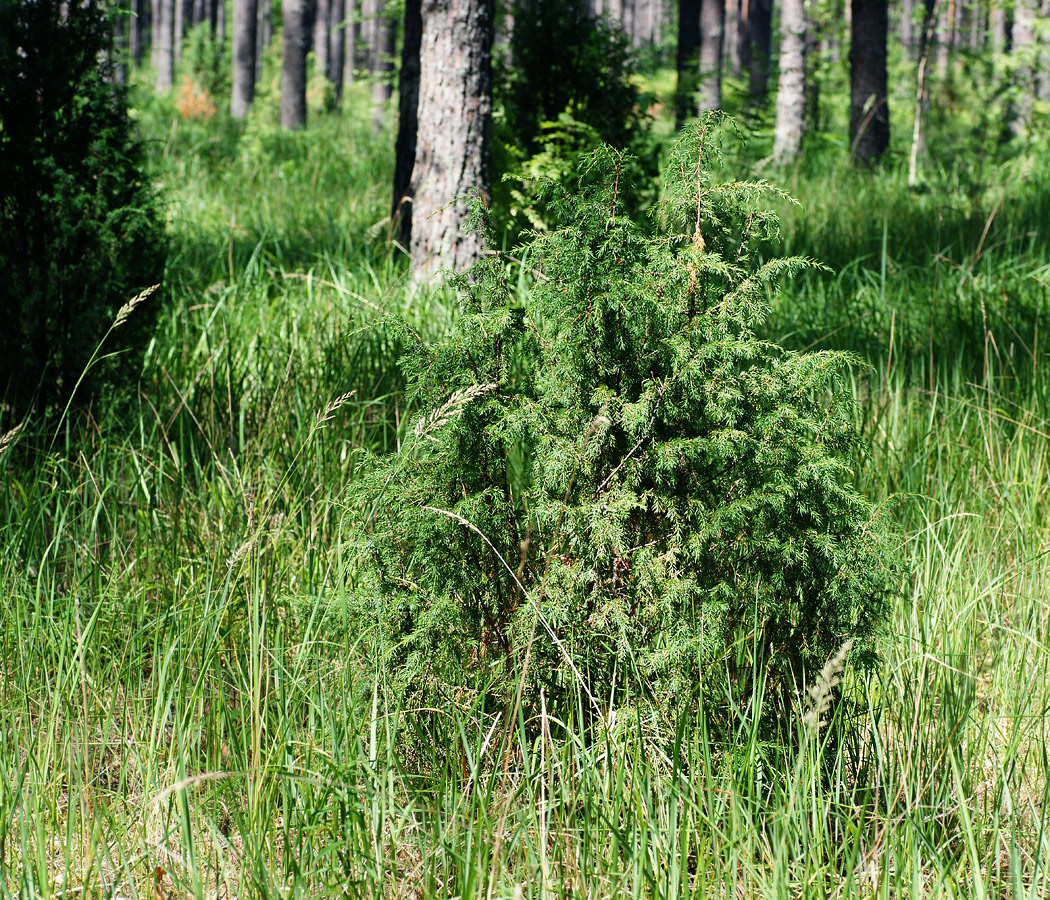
(614, 492)
(80, 230)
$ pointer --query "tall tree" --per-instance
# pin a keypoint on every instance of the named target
(322, 37)
(452, 143)
(1025, 54)
(712, 26)
(408, 121)
(760, 50)
(245, 15)
(337, 46)
(869, 110)
(295, 21)
(164, 54)
(384, 43)
(687, 59)
(791, 89)
(263, 34)
(352, 48)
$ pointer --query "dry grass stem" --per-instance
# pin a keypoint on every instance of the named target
(819, 700)
(128, 308)
(451, 408)
(332, 408)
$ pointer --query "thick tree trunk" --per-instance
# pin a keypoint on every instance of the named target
(455, 116)
(687, 59)
(712, 25)
(869, 112)
(322, 36)
(165, 37)
(408, 122)
(295, 21)
(245, 16)
(791, 90)
(383, 47)
(760, 39)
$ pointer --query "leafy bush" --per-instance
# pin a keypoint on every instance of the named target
(615, 491)
(79, 229)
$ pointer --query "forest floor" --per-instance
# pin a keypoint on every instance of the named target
(177, 719)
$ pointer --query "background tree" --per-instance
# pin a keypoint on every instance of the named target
(760, 47)
(687, 60)
(164, 44)
(245, 15)
(791, 89)
(383, 47)
(452, 143)
(712, 28)
(322, 37)
(295, 18)
(337, 45)
(79, 228)
(869, 115)
(408, 121)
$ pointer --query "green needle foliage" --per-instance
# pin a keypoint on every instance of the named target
(80, 227)
(616, 494)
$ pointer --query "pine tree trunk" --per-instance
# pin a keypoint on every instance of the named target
(337, 46)
(712, 25)
(135, 32)
(295, 21)
(322, 38)
(455, 115)
(869, 115)
(1023, 49)
(165, 30)
(791, 90)
(1043, 87)
(741, 58)
(383, 47)
(263, 34)
(760, 40)
(219, 19)
(408, 122)
(908, 26)
(687, 59)
(245, 20)
(352, 47)
(119, 48)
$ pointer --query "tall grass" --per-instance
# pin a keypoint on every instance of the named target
(176, 720)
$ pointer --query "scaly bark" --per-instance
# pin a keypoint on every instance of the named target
(245, 14)
(687, 59)
(869, 112)
(712, 27)
(791, 90)
(452, 144)
(295, 21)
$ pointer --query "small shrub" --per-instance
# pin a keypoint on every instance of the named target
(616, 491)
(79, 227)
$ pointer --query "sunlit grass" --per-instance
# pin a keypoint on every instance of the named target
(177, 721)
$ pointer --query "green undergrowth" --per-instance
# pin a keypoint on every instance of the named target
(176, 722)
